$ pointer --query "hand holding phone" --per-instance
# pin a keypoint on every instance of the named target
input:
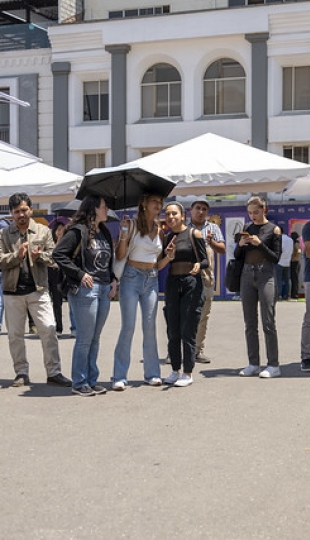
(170, 249)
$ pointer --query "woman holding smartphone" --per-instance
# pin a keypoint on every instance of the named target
(139, 285)
(260, 245)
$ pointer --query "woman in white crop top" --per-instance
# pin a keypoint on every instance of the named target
(139, 284)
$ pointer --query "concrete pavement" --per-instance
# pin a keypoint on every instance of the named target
(225, 459)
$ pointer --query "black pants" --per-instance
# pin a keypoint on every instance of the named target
(55, 296)
(184, 297)
(295, 267)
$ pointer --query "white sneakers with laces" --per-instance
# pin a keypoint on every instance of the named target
(118, 386)
(177, 379)
(153, 381)
(249, 370)
(267, 373)
(172, 378)
(270, 371)
(184, 380)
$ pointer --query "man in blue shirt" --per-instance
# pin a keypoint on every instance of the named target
(214, 243)
(305, 329)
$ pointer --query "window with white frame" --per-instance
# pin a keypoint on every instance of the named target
(92, 161)
(296, 88)
(139, 12)
(224, 88)
(233, 3)
(96, 101)
(161, 92)
(5, 118)
(299, 153)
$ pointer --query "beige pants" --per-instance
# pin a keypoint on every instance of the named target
(40, 307)
(203, 323)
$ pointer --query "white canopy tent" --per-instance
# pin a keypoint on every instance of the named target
(298, 188)
(214, 165)
(20, 171)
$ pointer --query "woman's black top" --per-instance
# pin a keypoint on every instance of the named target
(184, 250)
(269, 249)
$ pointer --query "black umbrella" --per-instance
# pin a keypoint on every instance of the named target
(122, 186)
(69, 208)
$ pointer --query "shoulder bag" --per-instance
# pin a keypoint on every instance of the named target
(207, 273)
(233, 274)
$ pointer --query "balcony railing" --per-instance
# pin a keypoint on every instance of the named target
(22, 36)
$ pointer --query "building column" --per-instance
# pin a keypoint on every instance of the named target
(118, 102)
(28, 116)
(259, 89)
(61, 72)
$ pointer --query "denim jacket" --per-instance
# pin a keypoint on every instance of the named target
(9, 255)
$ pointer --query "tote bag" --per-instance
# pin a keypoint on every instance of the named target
(233, 274)
(119, 265)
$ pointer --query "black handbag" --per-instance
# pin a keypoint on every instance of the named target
(233, 274)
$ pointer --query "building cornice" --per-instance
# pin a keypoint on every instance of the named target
(209, 23)
(25, 59)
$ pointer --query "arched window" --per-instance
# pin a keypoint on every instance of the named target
(161, 92)
(224, 88)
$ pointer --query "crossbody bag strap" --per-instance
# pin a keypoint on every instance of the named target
(191, 235)
(76, 251)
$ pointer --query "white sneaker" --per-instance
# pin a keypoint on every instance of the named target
(184, 380)
(119, 386)
(173, 377)
(153, 381)
(249, 371)
(270, 371)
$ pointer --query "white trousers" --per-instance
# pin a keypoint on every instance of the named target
(40, 306)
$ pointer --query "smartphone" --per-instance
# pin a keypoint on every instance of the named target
(244, 233)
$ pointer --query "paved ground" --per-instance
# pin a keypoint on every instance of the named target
(225, 459)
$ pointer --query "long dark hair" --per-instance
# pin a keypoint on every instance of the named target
(86, 215)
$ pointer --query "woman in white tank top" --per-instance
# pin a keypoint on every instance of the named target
(139, 285)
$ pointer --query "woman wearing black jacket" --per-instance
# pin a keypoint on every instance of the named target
(85, 255)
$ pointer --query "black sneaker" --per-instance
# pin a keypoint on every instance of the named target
(84, 391)
(99, 389)
(59, 379)
(305, 365)
(21, 380)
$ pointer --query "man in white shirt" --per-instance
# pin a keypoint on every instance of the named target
(214, 243)
(284, 266)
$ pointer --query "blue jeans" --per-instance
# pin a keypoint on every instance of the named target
(90, 309)
(283, 280)
(72, 320)
(258, 286)
(137, 286)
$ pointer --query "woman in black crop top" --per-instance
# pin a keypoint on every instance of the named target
(184, 294)
(260, 246)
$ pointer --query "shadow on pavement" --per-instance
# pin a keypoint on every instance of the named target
(288, 371)
(36, 389)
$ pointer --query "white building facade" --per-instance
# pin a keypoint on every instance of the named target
(111, 90)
